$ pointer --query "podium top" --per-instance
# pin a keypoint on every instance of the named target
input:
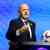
(35, 43)
(32, 43)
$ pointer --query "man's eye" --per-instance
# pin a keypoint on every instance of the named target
(25, 9)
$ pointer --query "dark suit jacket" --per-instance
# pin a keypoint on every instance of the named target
(16, 24)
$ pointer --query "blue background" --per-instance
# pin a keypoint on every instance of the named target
(40, 14)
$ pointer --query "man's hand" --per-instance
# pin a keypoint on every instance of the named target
(22, 29)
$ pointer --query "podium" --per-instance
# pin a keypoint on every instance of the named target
(30, 45)
(34, 45)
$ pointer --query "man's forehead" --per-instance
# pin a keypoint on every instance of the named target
(24, 6)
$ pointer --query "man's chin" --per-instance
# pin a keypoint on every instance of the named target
(25, 17)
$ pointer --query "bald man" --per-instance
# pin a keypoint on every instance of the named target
(21, 29)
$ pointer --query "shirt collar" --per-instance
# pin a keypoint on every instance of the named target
(23, 20)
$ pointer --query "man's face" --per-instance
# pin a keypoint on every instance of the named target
(24, 11)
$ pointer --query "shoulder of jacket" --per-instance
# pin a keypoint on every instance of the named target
(31, 22)
(14, 20)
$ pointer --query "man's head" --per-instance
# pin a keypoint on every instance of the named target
(24, 11)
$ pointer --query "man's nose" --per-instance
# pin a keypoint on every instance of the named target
(26, 13)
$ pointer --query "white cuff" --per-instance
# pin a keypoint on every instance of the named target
(17, 33)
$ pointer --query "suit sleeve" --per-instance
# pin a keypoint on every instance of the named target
(33, 32)
(9, 34)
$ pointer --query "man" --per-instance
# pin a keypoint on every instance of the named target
(21, 29)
